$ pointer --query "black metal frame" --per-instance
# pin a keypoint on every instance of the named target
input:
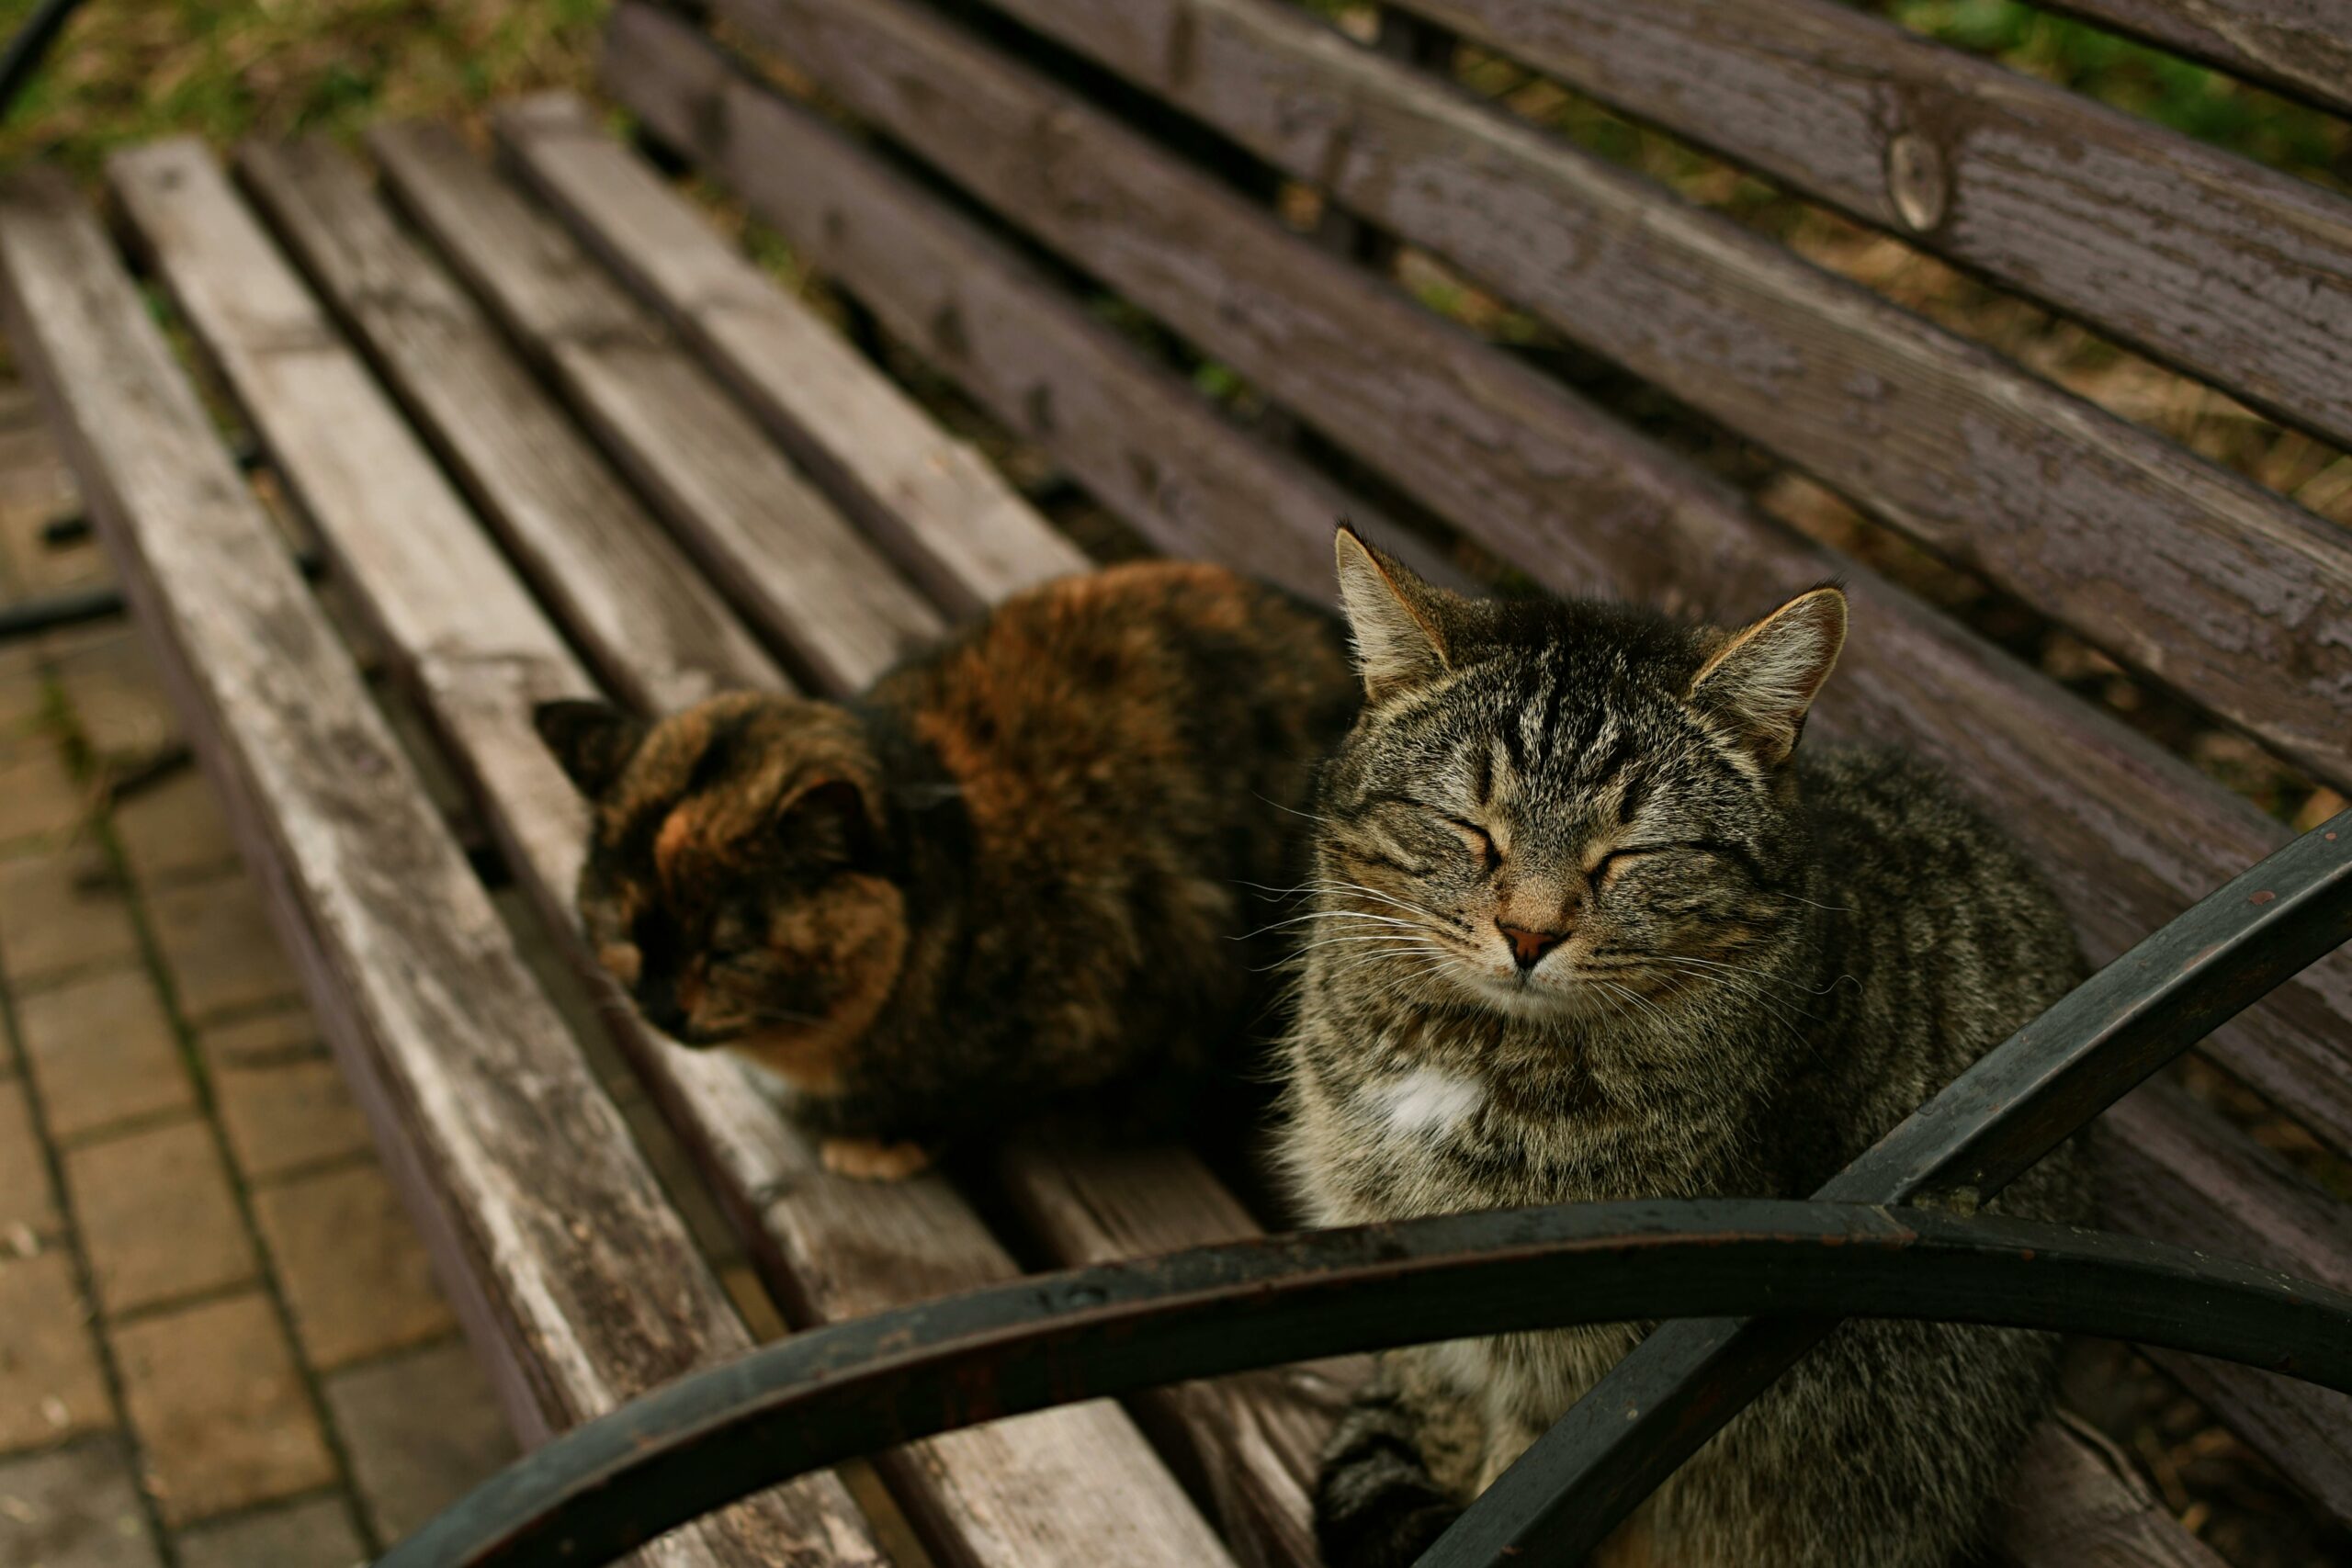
(1752, 1283)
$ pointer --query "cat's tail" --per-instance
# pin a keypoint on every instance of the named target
(1376, 1505)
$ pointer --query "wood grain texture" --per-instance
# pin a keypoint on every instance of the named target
(2301, 48)
(2068, 779)
(768, 539)
(2174, 1170)
(1135, 435)
(1050, 1490)
(2229, 270)
(2208, 582)
(536, 478)
(580, 1282)
(956, 525)
(2076, 1500)
(2129, 834)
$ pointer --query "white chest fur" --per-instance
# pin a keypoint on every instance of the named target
(1422, 1105)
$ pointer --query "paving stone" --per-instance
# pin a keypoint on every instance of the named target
(281, 1098)
(219, 1410)
(316, 1534)
(102, 1052)
(115, 694)
(38, 797)
(50, 1383)
(61, 911)
(354, 1272)
(173, 829)
(219, 946)
(157, 1219)
(422, 1431)
(28, 1208)
(73, 1508)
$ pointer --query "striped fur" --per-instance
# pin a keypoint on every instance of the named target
(1590, 925)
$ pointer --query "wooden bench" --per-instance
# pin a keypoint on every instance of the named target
(554, 434)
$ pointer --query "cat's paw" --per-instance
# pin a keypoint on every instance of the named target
(870, 1159)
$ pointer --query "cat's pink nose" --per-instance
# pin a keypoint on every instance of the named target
(1529, 947)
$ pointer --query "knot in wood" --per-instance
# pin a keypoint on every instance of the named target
(1916, 180)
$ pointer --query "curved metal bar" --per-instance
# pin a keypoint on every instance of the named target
(835, 1392)
(30, 46)
(1680, 1386)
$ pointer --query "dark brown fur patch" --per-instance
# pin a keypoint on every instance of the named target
(1019, 866)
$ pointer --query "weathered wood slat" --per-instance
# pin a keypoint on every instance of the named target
(830, 200)
(2232, 271)
(578, 1283)
(2217, 586)
(1058, 1488)
(762, 530)
(1249, 1442)
(2076, 1500)
(2175, 1171)
(536, 480)
(2129, 834)
(2303, 48)
(1135, 434)
(957, 526)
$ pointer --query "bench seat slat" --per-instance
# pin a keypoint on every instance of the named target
(1249, 1442)
(756, 524)
(2232, 271)
(1061, 1487)
(578, 1282)
(951, 520)
(533, 474)
(848, 215)
(2130, 834)
(2220, 587)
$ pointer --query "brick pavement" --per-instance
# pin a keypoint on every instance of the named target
(221, 1342)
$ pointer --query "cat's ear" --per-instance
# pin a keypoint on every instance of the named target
(592, 740)
(1397, 620)
(1764, 677)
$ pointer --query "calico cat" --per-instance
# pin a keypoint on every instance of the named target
(1016, 869)
(1589, 929)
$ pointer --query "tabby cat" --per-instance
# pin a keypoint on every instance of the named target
(1589, 929)
(1016, 869)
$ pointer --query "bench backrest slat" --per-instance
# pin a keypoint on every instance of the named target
(574, 1276)
(2227, 590)
(2232, 271)
(2301, 48)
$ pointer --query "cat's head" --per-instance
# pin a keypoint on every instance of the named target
(735, 882)
(1564, 809)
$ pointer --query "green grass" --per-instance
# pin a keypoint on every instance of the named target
(129, 71)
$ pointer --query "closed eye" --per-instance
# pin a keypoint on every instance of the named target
(1481, 843)
(1608, 866)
